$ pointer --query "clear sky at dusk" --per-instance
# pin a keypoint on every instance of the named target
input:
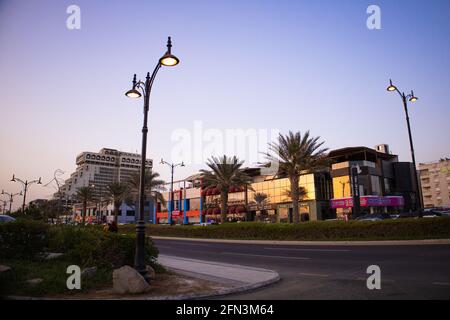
(287, 65)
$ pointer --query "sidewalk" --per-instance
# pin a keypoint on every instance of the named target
(238, 278)
(316, 243)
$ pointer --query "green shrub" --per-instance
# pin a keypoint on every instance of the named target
(23, 239)
(395, 229)
(89, 246)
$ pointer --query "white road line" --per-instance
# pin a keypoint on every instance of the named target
(382, 280)
(313, 275)
(309, 250)
(265, 256)
(441, 283)
(160, 246)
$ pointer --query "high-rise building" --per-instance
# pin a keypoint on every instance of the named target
(98, 170)
(435, 183)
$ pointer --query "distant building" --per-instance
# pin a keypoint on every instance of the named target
(98, 170)
(435, 183)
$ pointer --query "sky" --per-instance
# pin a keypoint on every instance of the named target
(245, 65)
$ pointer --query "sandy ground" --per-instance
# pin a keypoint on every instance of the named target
(165, 285)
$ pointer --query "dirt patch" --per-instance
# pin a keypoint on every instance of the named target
(165, 286)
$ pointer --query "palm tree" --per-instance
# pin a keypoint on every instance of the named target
(84, 195)
(295, 154)
(117, 192)
(260, 199)
(225, 173)
(152, 187)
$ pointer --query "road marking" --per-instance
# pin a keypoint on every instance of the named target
(382, 280)
(313, 275)
(311, 250)
(441, 283)
(160, 246)
(265, 256)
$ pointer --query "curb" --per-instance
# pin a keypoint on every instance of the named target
(316, 243)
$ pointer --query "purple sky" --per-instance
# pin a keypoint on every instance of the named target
(287, 65)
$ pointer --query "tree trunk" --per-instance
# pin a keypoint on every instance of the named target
(224, 205)
(116, 211)
(83, 215)
(295, 199)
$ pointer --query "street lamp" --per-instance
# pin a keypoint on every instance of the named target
(411, 98)
(25, 184)
(172, 167)
(11, 197)
(144, 88)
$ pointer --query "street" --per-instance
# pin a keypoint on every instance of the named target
(331, 271)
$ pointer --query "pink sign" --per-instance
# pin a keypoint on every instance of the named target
(369, 201)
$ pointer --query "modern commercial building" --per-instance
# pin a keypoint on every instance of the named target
(383, 183)
(204, 205)
(435, 183)
(98, 170)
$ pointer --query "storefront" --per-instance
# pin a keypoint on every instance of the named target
(369, 204)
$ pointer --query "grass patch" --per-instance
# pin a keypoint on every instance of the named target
(53, 273)
(395, 229)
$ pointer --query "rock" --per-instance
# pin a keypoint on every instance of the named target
(53, 255)
(34, 282)
(151, 272)
(89, 272)
(128, 280)
(4, 269)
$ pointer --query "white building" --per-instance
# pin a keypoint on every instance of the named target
(98, 170)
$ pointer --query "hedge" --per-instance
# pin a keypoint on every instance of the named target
(395, 229)
(81, 245)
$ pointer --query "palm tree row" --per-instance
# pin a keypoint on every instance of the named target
(295, 154)
(128, 192)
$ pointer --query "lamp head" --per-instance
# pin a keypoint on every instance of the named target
(169, 60)
(133, 93)
(413, 98)
(391, 86)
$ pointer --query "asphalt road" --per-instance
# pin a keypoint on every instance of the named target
(331, 272)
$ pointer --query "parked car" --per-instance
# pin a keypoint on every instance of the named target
(374, 217)
(5, 218)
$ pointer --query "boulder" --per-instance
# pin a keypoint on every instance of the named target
(4, 269)
(35, 281)
(128, 280)
(151, 272)
(89, 272)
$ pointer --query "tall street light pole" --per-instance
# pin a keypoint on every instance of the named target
(25, 185)
(11, 197)
(171, 202)
(411, 98)
(144, 88)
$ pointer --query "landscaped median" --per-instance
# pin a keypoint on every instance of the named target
(395, 229)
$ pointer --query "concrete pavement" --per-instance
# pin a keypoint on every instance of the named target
(238, 278)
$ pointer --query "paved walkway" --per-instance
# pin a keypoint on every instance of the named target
(318, 243)
(239, 278)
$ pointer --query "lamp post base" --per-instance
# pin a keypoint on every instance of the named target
(139, 258)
